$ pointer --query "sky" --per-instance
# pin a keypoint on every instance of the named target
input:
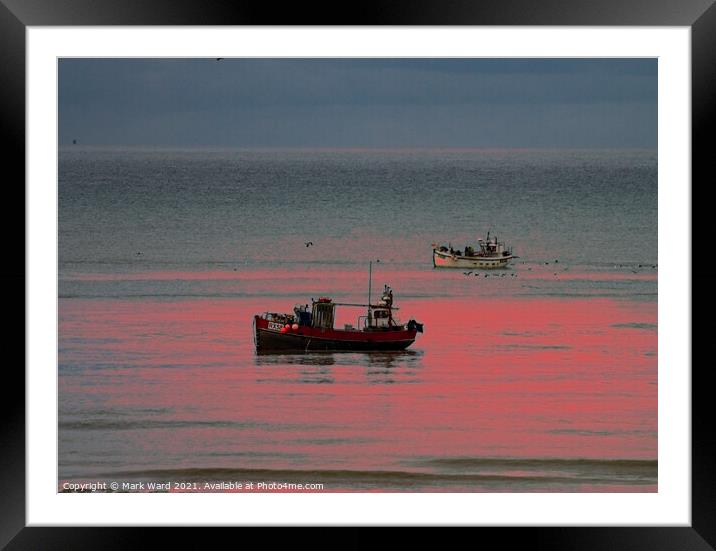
(359, 103)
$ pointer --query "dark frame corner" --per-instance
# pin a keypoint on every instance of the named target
(16, 15)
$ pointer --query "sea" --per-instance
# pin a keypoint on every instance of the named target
(540, 377)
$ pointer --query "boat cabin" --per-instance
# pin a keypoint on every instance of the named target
(491, 246)
(380, 316)
(380, 319)
(324, 313)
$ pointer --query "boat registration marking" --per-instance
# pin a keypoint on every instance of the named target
(275, 326)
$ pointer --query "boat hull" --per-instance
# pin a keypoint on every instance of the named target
(268, 337)
(447, 260)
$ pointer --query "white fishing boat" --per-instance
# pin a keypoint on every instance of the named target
(489, 253)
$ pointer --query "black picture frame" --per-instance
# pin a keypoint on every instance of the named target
(16, 15)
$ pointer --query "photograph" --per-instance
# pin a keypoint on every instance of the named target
(358, 275)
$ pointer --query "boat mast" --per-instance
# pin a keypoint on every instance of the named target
(370, 278)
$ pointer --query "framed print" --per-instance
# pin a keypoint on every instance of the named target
(367, 275)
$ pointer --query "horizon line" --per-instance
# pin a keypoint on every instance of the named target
(355, 148)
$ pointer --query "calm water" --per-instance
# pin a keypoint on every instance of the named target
(540, 377)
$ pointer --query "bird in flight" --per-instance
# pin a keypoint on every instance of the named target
(467, 273)
(309, 243)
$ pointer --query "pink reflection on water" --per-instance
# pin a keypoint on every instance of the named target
(178, 385)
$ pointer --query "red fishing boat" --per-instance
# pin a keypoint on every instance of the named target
(313, 328)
